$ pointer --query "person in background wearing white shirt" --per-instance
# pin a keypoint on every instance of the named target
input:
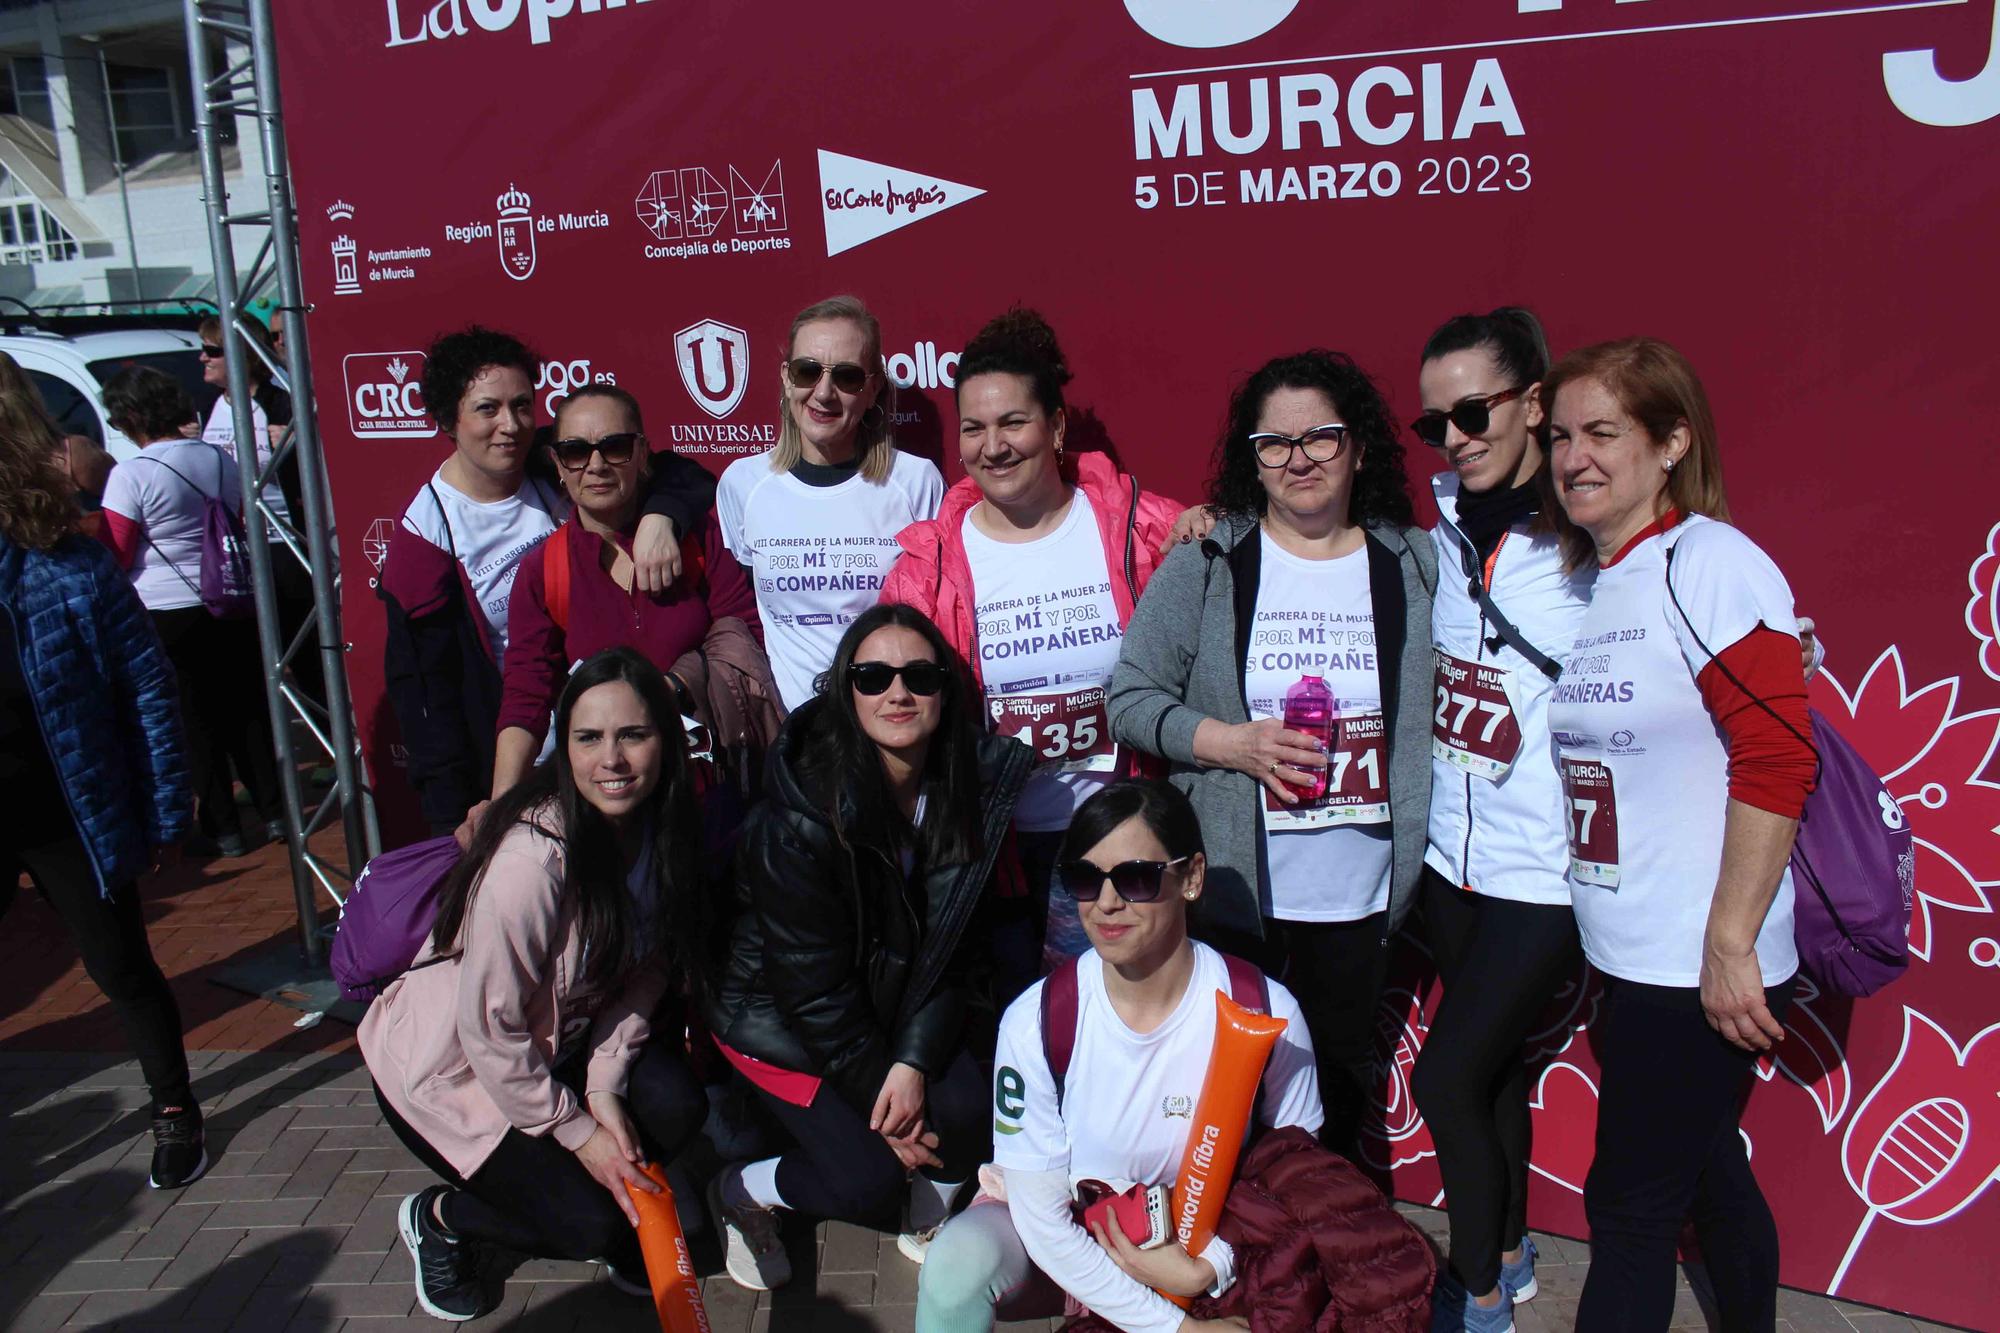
(155, 510)
(815, 519)
(1145, 1026)
(1680, 723)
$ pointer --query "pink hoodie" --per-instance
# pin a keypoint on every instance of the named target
(466, 1050)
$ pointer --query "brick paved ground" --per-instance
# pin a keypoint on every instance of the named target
(294, 1229)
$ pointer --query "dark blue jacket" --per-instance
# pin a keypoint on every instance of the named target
(105, 695)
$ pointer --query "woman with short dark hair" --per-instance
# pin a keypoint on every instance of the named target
(155, 513)
(843, 994)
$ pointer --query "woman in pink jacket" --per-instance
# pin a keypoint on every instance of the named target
(1031, 569)
(513, 1058)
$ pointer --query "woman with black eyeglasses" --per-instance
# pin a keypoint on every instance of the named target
(1282, 664)
(815, 519)
(842, 999)
(577, 594)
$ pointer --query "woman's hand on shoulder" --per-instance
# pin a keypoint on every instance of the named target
(1281, 761)
(1192, 525)
(1167, 1268)
(656, 554)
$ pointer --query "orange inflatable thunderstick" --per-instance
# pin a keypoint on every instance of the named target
(676, 1289)
(1243, 1042)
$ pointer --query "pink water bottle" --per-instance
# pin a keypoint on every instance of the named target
(1309, 707)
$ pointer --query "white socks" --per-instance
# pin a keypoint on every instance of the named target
(754, 1182)
(931, 1200)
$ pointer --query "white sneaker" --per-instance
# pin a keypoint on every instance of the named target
(914, 1245)
(631, 1286)
(753, 1252)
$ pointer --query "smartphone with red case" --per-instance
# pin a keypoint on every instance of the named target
(1142, 1211)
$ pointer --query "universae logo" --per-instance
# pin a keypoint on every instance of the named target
(714, 361)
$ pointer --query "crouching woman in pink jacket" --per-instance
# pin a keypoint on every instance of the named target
(516, 1058)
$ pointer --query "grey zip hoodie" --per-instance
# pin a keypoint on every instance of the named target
(1182, 662)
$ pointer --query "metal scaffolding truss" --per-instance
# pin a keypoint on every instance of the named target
(246, 89)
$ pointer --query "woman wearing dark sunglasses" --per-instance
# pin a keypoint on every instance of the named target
(842, 998)
(559, 616)
(815, 519)
(449, 572)
(1310, 601)
(1132, 868)
(1032, 569)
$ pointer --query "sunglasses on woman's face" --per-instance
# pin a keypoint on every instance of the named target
(211, 351)
(574, 455)
(805, 373)
(1134, 881)
(1472, 416)
(924, 678)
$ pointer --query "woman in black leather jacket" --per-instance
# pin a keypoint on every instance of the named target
(843, 993)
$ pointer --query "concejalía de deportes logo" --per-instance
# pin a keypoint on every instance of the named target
(1209, 23)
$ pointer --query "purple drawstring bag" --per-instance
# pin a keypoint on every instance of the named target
(1853, 873)
(388, 915)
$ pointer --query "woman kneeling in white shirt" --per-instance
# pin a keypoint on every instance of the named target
(1145, 1024)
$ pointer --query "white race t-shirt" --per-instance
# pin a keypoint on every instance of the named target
(1129, 1097)
(817, 554)
(1047, 642)
(489, 539)
(221, 432)
(166, 571)
(1328, 861)
(1645, 767)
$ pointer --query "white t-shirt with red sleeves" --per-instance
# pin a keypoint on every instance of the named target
(1047, 643)
(1328, 860)
(1645, 768)
(488, 538)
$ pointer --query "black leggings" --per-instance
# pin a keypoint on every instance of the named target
(1335, 969)
(110, 934)
(840, 1169)
(1500, 961)
(533, 1196)
(222, 705)
(1670, 1094)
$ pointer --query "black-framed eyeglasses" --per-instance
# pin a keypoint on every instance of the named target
(1471, 415)
(804, 373)
(924, 677)
(574, 455)
(211, 351)
(1134, 881)
(1322, 444)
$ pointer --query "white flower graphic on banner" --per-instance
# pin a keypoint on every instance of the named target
(1982, 613)
(1563, 1113)
(1925, 1142)
(1811, 1056)
(1393, 1133)
(1931, 760)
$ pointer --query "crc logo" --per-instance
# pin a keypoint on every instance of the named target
(384, 400)
(689, 203)
(1207, 23)
(515, 227)
(714, 359)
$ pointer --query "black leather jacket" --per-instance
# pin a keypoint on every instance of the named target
(833, 967)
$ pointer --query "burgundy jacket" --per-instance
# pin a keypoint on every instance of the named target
(1317, 1248)
(603, 615)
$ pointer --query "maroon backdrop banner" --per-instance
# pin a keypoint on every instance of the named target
(1800, 194)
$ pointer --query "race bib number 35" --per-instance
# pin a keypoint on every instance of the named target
(1067, 732)
(1475, 726)
(1357, 781)
(1593, 822)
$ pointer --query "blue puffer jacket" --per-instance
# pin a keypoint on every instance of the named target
(105, 694)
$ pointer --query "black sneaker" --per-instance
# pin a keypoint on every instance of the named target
(274, 830)
(179, 1153)
(230, 846)
(446, 1267)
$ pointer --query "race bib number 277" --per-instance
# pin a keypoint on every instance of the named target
(1476, 726)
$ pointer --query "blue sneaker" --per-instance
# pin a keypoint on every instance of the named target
(1453, 1311)
(1519, 1279)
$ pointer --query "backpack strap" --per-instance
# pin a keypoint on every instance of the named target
(1503, 628)
(1248, 985)
(555, 576)
(444, 518)
(1059, 1016)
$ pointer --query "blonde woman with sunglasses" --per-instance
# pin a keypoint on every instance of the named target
(815, 519)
